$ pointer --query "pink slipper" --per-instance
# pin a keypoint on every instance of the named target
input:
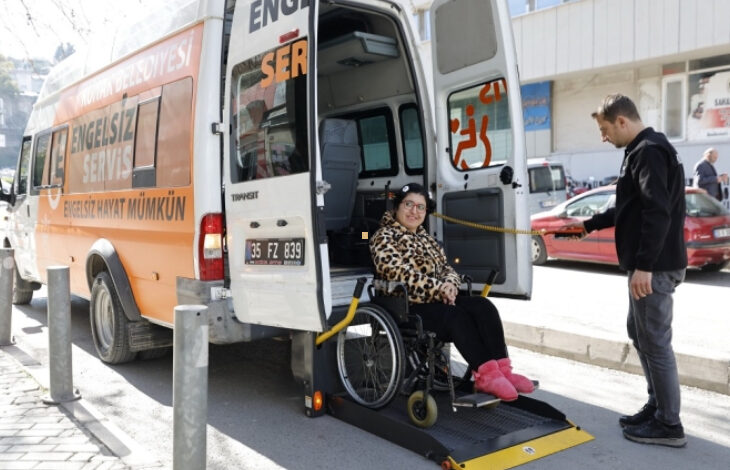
(521, 383)
(489, 379)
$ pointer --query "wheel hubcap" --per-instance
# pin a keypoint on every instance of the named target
(103, 318)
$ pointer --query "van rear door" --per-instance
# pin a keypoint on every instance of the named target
(480, 142)
(270, 167)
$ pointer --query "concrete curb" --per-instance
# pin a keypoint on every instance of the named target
(702, 372)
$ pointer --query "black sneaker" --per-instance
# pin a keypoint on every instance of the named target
(656, 432)
(641, 417)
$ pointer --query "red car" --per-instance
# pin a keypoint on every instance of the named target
(706, 230)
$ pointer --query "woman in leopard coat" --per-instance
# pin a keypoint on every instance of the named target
(403, 251)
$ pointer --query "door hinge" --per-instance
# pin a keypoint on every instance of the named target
(216, 128)
(322, 187)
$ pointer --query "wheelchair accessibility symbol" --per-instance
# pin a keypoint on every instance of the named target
(528, 450)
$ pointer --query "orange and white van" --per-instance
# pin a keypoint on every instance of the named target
(236, 154)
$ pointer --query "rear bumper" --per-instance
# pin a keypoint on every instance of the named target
(223, 326)
(700, 254)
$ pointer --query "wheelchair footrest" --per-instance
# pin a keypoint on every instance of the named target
(476, 400)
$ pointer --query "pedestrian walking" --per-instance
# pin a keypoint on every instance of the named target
(705, 174)
(649, 220)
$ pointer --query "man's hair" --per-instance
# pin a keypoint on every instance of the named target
(616, 105)
(708, 152)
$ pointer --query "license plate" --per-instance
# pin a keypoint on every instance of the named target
(722, 232)
(275, 251)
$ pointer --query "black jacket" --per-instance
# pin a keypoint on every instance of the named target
(650, 207)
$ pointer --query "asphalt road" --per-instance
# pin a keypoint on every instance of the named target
(255, 418)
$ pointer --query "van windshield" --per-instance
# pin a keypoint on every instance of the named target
(546, 178)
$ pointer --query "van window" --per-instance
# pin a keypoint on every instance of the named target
(102, 148)
(21, 177)
(376, 141)
(376, 135)
(269, 117)
(174, 135)
(40, 172)
(480, 125)
(145, 141)
(58, 157)
(410, 126)
(546, 178)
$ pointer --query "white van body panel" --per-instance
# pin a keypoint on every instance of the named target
(500, 65)
(271, 208)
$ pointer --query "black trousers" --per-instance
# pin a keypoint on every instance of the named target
(473, 325)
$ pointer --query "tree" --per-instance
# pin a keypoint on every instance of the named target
(8, 87)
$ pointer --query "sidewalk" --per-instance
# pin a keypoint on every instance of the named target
(590, 326)
(34, 435)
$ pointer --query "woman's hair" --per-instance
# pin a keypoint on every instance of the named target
(417, 189)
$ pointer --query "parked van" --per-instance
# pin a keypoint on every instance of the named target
(547, 185)
(237, 154)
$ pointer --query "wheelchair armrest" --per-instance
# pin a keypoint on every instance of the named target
(395, 300)
(465, 278)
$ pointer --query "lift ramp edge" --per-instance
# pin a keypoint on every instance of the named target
(526, 451)
(533, 430)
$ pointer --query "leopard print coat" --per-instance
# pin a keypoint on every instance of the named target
(415, 259)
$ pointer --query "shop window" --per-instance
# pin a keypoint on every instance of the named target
(708, 115)
(674, 107)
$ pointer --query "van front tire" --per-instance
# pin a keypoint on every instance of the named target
(108, 322)
(22, 292)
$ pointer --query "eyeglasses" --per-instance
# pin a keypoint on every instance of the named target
(410, 205)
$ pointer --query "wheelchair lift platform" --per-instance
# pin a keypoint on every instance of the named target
(492, 437)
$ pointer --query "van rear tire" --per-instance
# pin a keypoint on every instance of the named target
(22, 292)
(108, 322)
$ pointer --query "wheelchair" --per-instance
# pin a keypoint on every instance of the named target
(385, 351)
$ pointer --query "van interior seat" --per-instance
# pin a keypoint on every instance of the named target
(340, 167)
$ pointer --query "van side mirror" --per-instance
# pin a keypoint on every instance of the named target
(7, 197)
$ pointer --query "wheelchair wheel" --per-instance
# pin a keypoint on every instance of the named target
(450, 361)
(370, 357)
(422, 409)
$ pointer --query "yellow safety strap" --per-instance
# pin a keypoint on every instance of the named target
(490, 228)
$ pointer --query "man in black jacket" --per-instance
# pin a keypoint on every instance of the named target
(649, 221)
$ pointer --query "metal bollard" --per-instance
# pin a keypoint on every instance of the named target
(7, 272)
(190, 387)
(59, 336)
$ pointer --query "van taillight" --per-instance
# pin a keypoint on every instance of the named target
(210, 247)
